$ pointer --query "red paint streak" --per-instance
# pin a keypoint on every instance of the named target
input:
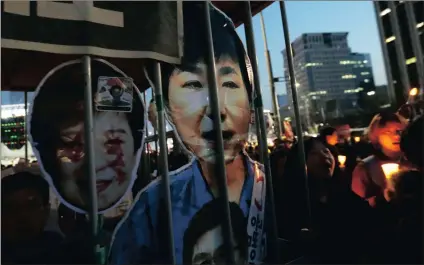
(258, 205)
(75, 152)
(114, 147)
(260, 179)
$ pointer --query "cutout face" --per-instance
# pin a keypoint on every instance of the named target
(191, 114)
(117, 143)
(203, 241)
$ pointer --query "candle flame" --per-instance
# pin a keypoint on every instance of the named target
(390, 169)
(342, 160)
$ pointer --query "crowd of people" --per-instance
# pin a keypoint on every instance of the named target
(346, 210)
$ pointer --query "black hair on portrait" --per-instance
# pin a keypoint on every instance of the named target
(60, 104)
(225, 41)
(210, 217)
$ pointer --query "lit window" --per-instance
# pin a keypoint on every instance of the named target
(385, 12)
(348, 76)
(366, 80)
(365, 73)
(420, 25)
(390, 39)
(411, 60)
(365, 61)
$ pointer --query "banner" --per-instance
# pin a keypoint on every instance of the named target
(139, 237)
(56, 132)
(123, 29)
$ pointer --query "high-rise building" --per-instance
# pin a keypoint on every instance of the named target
(402, 62)
(327, 75)
(362, 67)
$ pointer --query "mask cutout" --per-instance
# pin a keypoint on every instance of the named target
(193, 187)
(56, 130)
(186, 92)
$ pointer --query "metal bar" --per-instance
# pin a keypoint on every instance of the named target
(26, 126)
(295, 104)
(90, 156)
(399, 48)
(258, 133)
(271, 79)
(221, 175)
(416, 45)
(155, 132)
(263, 145)
(163, 157)
(386, 57)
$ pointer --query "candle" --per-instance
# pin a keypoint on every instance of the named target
(390, 169)
(357, 139)
(342, 160)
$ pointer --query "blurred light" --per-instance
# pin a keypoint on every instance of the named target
(385, 12)
(342, 160)
(413, 92)
(371, 93)
(390, 169)
(420, 25)
(357, 139)
(411, 60)
(390, 39)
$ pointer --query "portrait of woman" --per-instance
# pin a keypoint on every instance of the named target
(57, 135)
(187, 106)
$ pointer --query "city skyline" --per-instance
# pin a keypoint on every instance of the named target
(357, 18)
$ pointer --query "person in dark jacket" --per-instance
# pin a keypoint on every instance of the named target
(400, 239)
(412, 143)
(25, 210)
(337, 220)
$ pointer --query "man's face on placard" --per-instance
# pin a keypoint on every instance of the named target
(191, 114)
(210, 249)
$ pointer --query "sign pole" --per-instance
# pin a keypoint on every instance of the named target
(26, 126)
(227, 230)
(163, 158)
(295, 104)
(90, 159)
(263, 144)
(271, 80)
